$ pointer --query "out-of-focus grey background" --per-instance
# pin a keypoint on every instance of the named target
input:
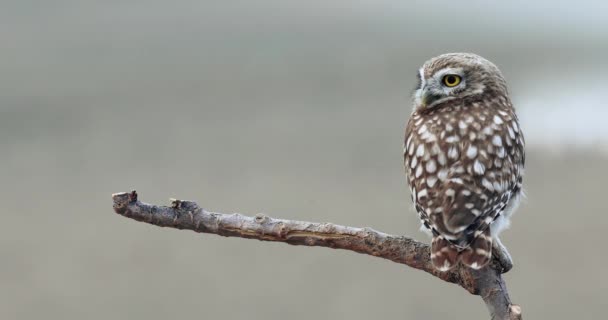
(291, 108)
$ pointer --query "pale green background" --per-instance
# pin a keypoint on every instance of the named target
(291, 108)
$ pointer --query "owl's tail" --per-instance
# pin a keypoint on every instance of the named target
(445, 256)
(479, 252)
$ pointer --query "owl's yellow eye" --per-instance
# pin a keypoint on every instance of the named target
(451, 80)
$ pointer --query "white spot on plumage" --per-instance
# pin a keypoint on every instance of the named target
(497, 141)
(435, 149)
(472, 152)
(414, 162)
(487, 184)
(497, 163)
(430, 181)
(453, 153)
(429, 137)
(419, 171)
(450, 192)
(422, 129)
(462, 125)
(441, 159)
(511, 133)
(500, 152)
(478, 167)
(410, 151)
(457, 180)
(420, 150)
(427, 156)
(497, 186)
(498, 119)
(460, 229)
(431, 166)
(442, 174)
(452, 139)
(445, 267)
(482, 252)
(490, 148)
(423, 193)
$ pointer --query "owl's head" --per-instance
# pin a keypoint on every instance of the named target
(454, 76)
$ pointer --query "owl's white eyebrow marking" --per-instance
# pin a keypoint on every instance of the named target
(449, 70)
(422, 81)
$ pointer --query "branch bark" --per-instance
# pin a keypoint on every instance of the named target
(487, 282)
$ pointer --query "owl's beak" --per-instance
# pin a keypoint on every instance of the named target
(427, 98)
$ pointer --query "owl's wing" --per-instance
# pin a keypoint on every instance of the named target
(477, 190)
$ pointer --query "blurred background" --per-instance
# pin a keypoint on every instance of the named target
(291, 108)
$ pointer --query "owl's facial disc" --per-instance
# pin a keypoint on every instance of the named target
(445, 84)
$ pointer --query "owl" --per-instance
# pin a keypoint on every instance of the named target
(464, 159)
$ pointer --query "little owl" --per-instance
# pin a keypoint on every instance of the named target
(464, 159)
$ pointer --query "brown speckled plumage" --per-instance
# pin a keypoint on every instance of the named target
(464, 158)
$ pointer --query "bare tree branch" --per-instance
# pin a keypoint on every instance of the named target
(487, 282)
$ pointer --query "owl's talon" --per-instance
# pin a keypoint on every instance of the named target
(502, 256)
